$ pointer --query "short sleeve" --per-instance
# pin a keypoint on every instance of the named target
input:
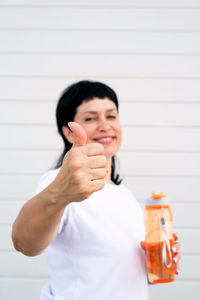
(45, 181)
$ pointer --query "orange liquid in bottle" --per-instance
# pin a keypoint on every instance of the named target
(157, 271)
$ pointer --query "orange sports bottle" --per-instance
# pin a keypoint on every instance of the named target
(159, 239)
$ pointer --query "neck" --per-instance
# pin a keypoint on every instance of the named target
(108, 176)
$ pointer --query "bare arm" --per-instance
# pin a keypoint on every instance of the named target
(37, 223)
(82, 173)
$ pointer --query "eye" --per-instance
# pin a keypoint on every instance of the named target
(111, 117)
(88, 119)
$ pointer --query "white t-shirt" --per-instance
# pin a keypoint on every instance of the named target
(96, 254)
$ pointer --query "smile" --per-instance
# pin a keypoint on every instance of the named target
(104, 140)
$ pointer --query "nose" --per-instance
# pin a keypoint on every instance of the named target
(103, 124)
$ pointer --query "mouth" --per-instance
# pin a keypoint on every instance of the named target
(105, 139)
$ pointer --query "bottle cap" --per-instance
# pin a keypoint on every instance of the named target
(158, 195)
(157, 198)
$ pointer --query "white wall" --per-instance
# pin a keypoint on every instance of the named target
(149, 52)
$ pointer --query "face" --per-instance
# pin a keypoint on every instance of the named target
(99, 118)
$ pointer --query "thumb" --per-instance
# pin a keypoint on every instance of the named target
(143, 245)
(79, 134)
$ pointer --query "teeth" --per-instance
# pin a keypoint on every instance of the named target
(105, 139)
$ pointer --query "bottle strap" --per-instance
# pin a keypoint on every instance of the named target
(166, 246)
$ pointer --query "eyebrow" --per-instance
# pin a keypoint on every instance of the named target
(95, 112)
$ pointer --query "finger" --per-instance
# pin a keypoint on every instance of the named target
(96, 185)
(176, 258)
(175, 236)
(176, 247)
(98, 173)
(79, 134)
(98, 161)
(93, 149)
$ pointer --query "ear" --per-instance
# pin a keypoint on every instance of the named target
(68, 134)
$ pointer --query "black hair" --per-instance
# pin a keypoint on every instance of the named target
(66, 109)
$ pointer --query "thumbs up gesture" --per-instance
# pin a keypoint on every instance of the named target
(79, 134)
(83, 170)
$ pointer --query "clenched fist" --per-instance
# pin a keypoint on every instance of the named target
(83, 170)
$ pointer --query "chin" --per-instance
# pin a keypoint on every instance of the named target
(109, 154)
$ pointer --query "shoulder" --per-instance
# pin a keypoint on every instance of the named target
(45, 180)
(129, 196)
(123, 189)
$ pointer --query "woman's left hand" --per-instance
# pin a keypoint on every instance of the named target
(176, 255)
(175, 251)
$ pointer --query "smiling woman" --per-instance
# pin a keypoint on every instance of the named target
(99, 118)
(89, 224)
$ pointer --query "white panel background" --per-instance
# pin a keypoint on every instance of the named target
(149, 52)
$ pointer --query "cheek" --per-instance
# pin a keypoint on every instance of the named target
(119, 131)
(120, 137)
(89, 131)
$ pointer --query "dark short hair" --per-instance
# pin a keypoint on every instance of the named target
(67, 105)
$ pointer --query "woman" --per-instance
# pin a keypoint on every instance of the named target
(89, 224)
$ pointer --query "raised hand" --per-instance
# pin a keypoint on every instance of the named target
(83, 170)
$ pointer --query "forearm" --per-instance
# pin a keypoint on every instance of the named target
(37, 223)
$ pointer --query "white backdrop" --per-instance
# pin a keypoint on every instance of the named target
(149, 52)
